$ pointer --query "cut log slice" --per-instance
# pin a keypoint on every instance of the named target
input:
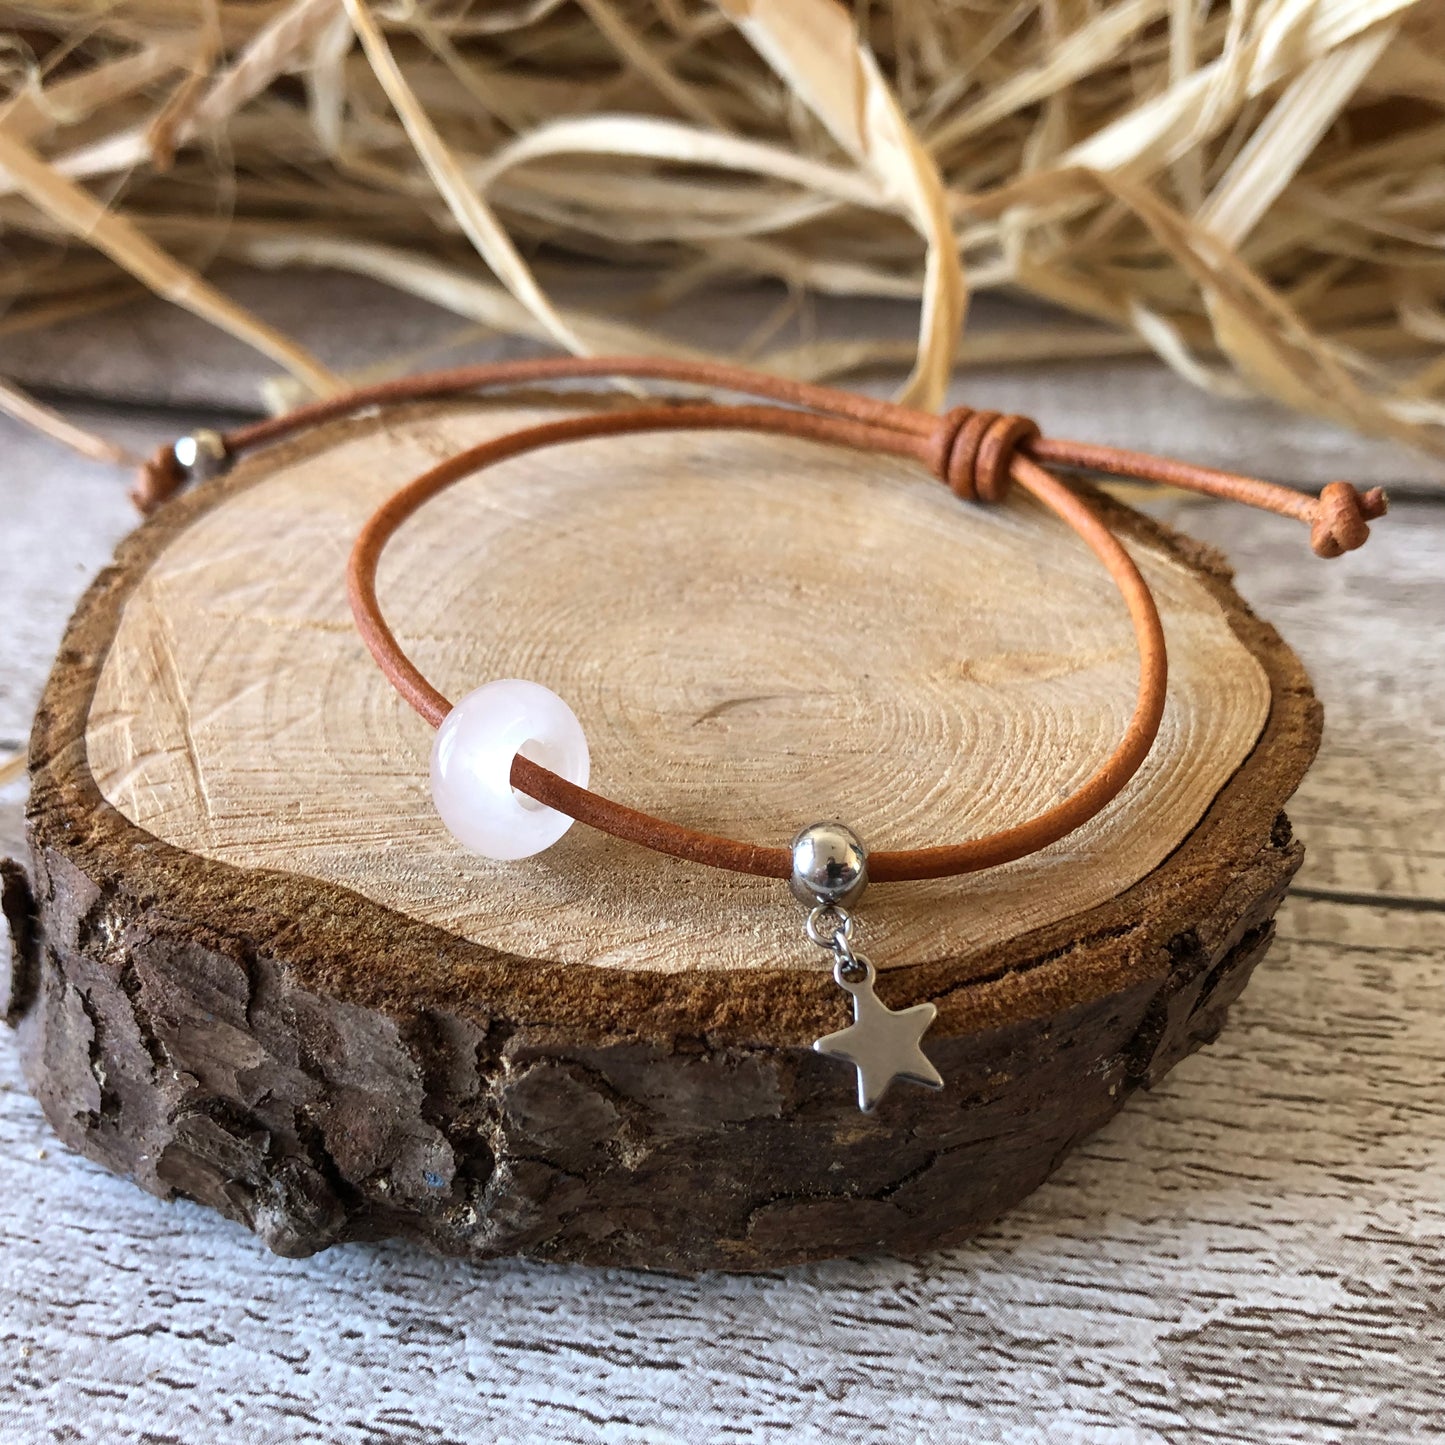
(252, 967)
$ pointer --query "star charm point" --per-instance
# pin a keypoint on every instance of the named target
(883, 1044)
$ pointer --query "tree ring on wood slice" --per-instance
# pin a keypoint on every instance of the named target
(252, 968)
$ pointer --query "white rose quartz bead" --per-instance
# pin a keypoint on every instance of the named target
(471, 767)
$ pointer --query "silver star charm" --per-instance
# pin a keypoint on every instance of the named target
(881, 1043)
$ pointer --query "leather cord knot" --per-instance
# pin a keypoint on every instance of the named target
(971, 451)
(1342, 517)
(157, 480)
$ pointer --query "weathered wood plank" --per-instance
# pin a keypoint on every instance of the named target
(1248, 1254)
(131, 355)
(1372, 810)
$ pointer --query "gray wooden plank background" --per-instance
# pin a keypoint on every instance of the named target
(1255, 1252)
(148, 354)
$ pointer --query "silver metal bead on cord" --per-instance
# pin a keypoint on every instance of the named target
(830, 866)
(202, 455)
(830, 870)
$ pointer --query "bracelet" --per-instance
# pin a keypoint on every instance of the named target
(510, 764)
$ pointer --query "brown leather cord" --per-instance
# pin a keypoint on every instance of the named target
(977, 454)
(1338, 518)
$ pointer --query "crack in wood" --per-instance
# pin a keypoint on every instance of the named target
(1394, 902)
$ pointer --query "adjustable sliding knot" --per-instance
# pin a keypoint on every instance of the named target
(1342, 517)
(971, 452)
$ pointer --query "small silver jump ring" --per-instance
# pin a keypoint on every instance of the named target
(852, 970)
(837, 941)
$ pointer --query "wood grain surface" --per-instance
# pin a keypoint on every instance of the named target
(827, 635)
(1250, 1253)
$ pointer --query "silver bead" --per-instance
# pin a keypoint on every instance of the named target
(202, 455)
(830, 865)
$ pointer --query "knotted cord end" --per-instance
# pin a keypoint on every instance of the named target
(196, 457)
(971, 452)
(157, 480)
(1342, 517)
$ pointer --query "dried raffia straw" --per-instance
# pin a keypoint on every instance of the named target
(813, 46)
(23, 407)
(12, 766)
(125, 243)
(472, 213)
(1254, 191)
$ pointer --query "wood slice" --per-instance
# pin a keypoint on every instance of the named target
(254, 970)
